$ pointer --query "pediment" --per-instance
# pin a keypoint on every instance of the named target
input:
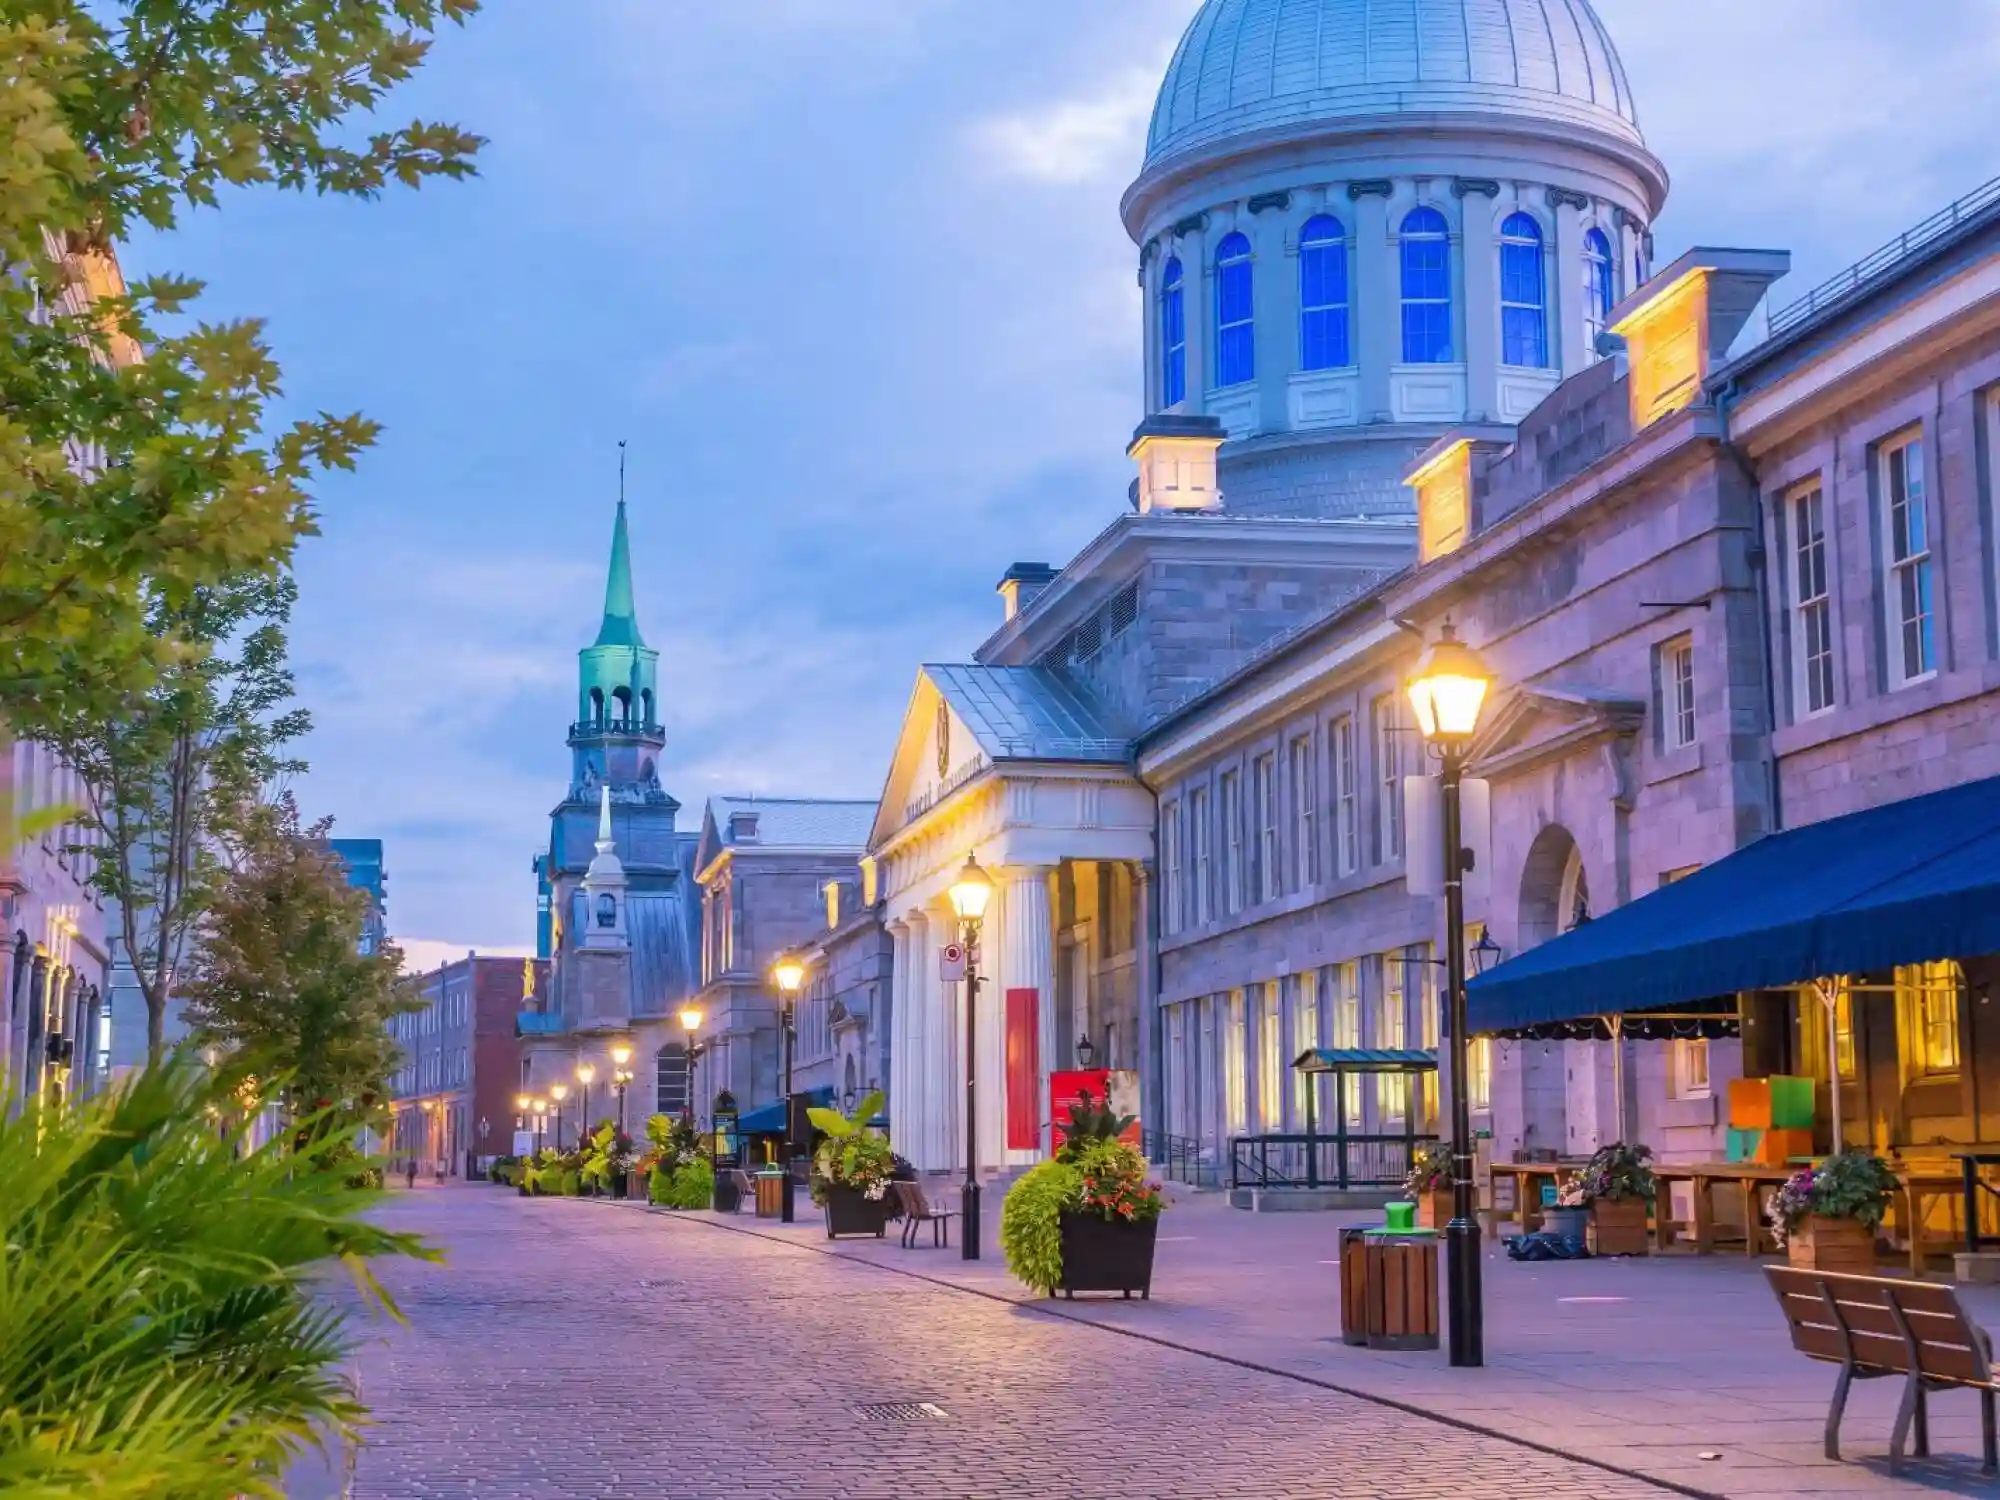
(1529, 726)
(935, 754)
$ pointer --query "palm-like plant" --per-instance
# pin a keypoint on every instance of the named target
(159, 1333)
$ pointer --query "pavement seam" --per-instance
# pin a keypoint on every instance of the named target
(1372, 1397)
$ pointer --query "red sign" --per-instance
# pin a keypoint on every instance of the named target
(1024, 1066)
(1067, 1088)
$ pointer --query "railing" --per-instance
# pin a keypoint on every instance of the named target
(1322, 1161)
(1869, 267)
(612, 726)
(1975, 1185)
(1180, 1158)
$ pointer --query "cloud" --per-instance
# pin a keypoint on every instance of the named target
(1071, 141)
(421, 955)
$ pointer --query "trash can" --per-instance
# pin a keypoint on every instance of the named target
(1400, 1288)
(1353, 1285)
(770, 1192)
(728, 1190)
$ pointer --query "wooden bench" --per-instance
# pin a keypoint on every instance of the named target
(1873, 1326)
(917, 1210)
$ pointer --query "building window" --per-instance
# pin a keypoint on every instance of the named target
(1907, 549)
(1173, 334)
(1426, 251)
(1270, 1060)
(1305, 813)
(1323, 341)
(1677, 693)
(1690, 1068)
(1305, 1037)
(1234, 1043)
(1387, 714)
(1524, 324)
(1235, 333)
(1346, 998)
(1170, 857)
(670, 1092)
(1346, 799)
(1392, 1095)
(1479, 1073)
(1232, 843)
(1264, 786)
(1202, 908)
(1600, 288)
(1813, 609)
(1927, 1004)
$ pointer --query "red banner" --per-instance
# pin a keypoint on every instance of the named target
(1024, 1067)
(1066, 1088)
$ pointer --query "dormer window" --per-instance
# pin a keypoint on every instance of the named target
(743, 827)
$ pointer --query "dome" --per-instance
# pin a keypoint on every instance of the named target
(1245, 66)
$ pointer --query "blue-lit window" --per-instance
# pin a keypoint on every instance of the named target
(1323, 295)
(1600, 291)
(1173, 335)
(1427, 289)
(1524, 295)
(1235, 337)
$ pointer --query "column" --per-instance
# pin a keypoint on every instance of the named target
(1152, 1024)
(991, 1034)
(1479, 305)
(900, 1050)
(1027, 961)
(922, 1072)
(1566, 305)
(1375, 299)
(1198, 306)
(947, 1043)
(1275, 296)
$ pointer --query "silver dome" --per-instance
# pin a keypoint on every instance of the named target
(1251, 65)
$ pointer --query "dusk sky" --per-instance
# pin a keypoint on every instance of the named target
(849, 277)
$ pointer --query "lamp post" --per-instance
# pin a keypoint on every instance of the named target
(969, 896)
(621, 1054)
(559, 1092)
(541, 1119)
(586, 1074)
(1447, 690)
(690, 1024)
(790, 973)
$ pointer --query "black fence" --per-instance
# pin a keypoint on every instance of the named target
(1323, 1161)
(1182, 1159)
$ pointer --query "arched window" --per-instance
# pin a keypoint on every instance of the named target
(607, 910)
(1235, 338)
(646, 705)
(597, 705)
(1600, 290)
(622, 697)
(1426, 289)
(1524, 323)
(1173, 335)
(1323, 295)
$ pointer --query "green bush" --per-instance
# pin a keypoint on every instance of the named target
(1031, 1222)
(689, 1186)
(159, 1331)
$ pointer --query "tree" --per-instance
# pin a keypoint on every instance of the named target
(279, 979)
(171, 764)
(129, 484)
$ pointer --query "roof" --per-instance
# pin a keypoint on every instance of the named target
(1366, 1060)
(1031, 713)
(1903, 883)
(793, 822)
(621, 615)
(1250, 65)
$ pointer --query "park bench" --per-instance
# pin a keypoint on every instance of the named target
(1875, 1326)
(917, 1210)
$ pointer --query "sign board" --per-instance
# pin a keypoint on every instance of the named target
(1119, 1085)
(951, 962)
(1423, 836)
(728, 1145)
(524, 1143)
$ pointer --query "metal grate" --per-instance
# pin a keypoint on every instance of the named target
(901, 1411)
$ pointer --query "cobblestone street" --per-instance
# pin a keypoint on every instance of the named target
(576, 1351)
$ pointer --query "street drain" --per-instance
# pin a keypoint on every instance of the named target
(901, 1411)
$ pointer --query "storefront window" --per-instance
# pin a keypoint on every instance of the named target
(1927, 1002)
(1392, 1032)
(1235, 1107)
(1270, 1044)
(1305, 1037)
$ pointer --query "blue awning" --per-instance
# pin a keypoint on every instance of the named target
(1366, 1060)
(1899, 884)
(769, 1119)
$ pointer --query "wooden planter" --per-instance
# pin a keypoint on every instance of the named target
(1821, 1244)
(1105, 1255)
(850, 1212)
(1434, 1208)
(1618, 1227)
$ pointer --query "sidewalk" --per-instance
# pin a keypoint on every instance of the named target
(1643, 1365)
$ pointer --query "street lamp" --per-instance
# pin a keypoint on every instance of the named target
(790, 973)
(586, 1074)
(969, 895)
(1447, 690)
(690, 1024)
(541, 1108)
(621, 1054)
(559, 1092)
(1086, 1050)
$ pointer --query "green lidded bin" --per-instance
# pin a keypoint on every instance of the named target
(1791, 1103)
(1400, 1218)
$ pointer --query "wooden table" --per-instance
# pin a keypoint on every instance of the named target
(1922, 1189)
(1526, 1177)
(1746, 1178)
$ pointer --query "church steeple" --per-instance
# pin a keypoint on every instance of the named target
(621, 616)
(616, 673)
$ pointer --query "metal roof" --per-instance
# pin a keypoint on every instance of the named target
(1031, 713)
(794, 822)
(1251, 65)
(1366, 1060)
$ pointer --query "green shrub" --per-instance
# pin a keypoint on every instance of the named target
(689, 1186)
(159, 1331)
(1031, 1222)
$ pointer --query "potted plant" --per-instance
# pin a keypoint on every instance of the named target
(851, 1170)
(1570, 1216)
(1618, 1185)
(677, 1174)
(1428, 1184)
(1087, 1220)
(1826, 1215)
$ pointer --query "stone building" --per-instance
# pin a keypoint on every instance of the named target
(453, 1097)
(764, 866)
(845, 1017)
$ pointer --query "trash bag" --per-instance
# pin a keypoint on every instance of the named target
(1546, 1246)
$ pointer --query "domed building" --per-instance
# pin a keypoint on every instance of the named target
(1364, 222)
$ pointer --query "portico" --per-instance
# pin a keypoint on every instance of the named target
(1015, 767)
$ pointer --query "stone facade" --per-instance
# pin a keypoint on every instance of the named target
(454, 1095)
(845, 1017)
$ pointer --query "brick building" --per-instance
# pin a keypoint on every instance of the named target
(453, 1098)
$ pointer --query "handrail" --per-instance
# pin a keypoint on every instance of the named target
(1342, 1159)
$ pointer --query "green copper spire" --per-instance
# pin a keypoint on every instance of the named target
(621, 617)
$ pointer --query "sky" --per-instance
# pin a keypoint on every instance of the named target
(848, 277)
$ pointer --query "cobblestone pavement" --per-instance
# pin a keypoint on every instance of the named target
(580, 1351)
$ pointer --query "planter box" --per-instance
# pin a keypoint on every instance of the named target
(1100, 1255)
(1618, 1228)
(849, 1212)
(1434, 1208)
(1821, 1244)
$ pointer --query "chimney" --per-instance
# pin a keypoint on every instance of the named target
(1021, 583)
(1176, 458)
